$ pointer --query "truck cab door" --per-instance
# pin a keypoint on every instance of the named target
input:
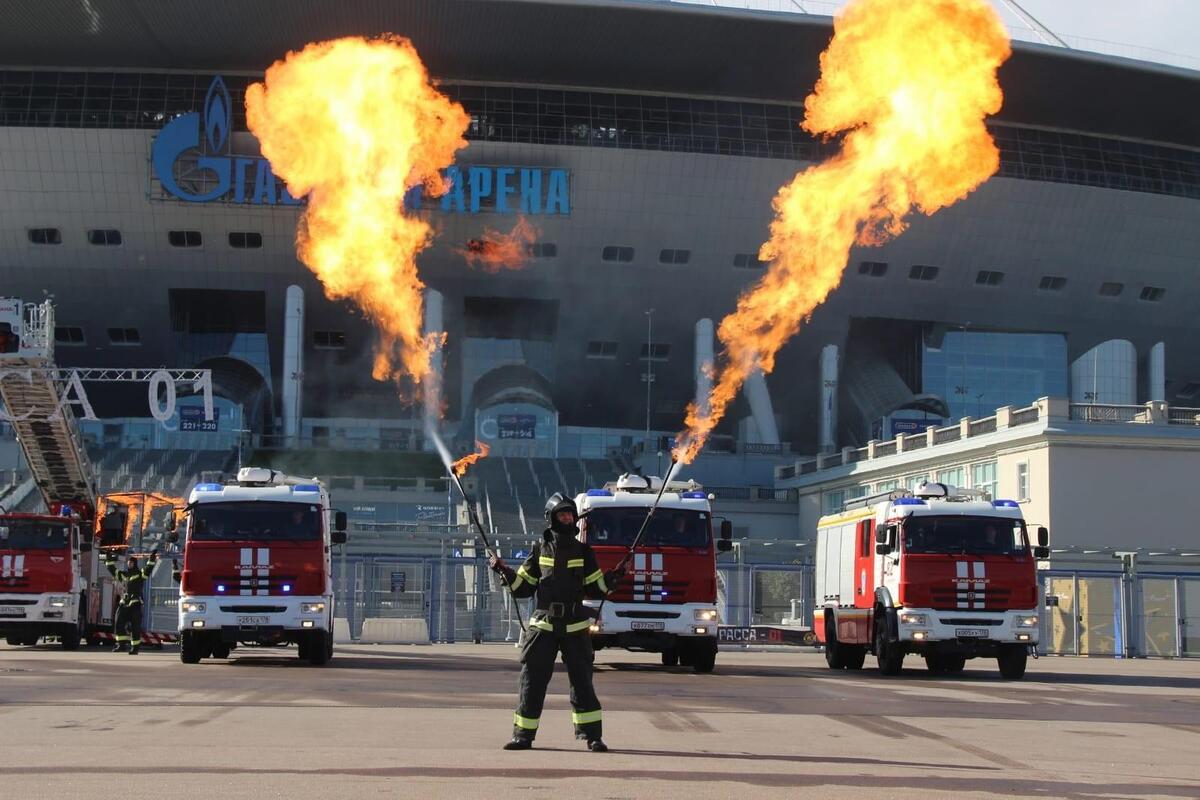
(888, 564)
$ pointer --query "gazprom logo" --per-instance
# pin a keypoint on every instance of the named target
(210, 172)
(219, 175)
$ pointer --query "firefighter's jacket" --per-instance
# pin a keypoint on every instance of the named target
(560, 572)
(134, 579)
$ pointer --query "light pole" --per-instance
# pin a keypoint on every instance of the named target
(648, 375)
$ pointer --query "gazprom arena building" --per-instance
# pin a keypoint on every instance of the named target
(645, 141)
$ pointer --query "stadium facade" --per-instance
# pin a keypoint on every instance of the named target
(645, 141)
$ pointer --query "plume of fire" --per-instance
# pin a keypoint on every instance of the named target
(139, 508)
(461, 466)
(911, 84)
(495, 251)
(353, 124)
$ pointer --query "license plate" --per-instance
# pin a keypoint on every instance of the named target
(253, 620)
(971, 633)
(646, 626)
(12, 610)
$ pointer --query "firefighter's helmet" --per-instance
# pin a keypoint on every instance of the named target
(558, 502)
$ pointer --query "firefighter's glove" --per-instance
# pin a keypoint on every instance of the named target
(497, 565)
(614, 576)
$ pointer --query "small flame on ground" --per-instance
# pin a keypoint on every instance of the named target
(495, 251)
(461, 466)
(354, 123)
(911, 84)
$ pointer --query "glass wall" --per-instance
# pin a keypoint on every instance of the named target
(977, 372)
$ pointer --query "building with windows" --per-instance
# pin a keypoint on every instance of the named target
(645, 141)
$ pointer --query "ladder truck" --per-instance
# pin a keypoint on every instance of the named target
(52, 582)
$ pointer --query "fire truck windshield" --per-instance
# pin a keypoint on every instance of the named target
(668, 527)
(255, 521)
(965, 535)
(33, 534)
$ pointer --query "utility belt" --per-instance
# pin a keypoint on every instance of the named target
(566, 610)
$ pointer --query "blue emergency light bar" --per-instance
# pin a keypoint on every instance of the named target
(599, 493)
(694, 496)
(909, 501)
(208, 487)
(1005, 504)
(306, 487)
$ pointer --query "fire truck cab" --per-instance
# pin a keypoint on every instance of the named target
(257, 566)
(944, 573)
(667, 602)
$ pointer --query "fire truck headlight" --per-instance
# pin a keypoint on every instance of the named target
(920, 636)
(197, 623)
(593, 629)
(912, 619)
(1025, 621)
(706, 614)
(59, 601)
(312, 608)
(192, 607)
(700, 631)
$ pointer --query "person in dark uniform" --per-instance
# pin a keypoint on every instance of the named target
(560, 572)
(127, 628)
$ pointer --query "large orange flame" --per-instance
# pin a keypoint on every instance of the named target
(495, 251)
(911, 83)
(461, 466)
(353, 124)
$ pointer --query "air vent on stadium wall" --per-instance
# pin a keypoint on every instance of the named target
(601, 349)
(988, 277)
(104, 237)
(1111, 289)
(615, 253)
(543, 250)
(124, 336)
(245, 240)
(872, 269)
(674, 256)
(45, 235)
(1052, 283)
(1152, 294)
(184, 238)
(655, 351)
(923, 272)
(329, 340)
(748, 261)
(69, 334)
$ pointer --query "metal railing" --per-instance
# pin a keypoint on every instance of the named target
(1183, 416)
(1091, 412)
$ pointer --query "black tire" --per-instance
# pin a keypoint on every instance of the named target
(70, 638)
(1012, 659)
(854, 656)
(670, 658)
(704, 656)
(30, 641)
(191, 648)
(320, 648)
(220, 650)
(13, 641)
(833, 648)
(889, 657)
(953, 664)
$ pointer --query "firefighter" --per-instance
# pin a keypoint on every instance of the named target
(129, 609)
(560, 572)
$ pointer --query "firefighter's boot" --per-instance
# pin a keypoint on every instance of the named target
(133, 649)
(597, 746)
(119, 647)
(518, 743)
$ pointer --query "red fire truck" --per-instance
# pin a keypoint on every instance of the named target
(667, 603)
(944, 573)
(257, 568)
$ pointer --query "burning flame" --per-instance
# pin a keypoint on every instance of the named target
(495, 251)
(911, 84)
(461, 466)
(355, 123)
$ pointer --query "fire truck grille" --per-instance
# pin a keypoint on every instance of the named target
(652, 591)
(248, 609)
(14, 602)
(950, 599)
(969, 621)
(649, 614)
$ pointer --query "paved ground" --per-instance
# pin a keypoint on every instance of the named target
(427, 722)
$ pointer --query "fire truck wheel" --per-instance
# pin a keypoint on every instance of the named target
(670, 658)
(320, 649)
(220, 650)
(954, 665)
(30, 641)
(890, 658)
(1012, 659)
(190, 648)
(13, 641)
(70, 638)
(704, 656)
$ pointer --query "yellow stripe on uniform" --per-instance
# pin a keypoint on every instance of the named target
(512, 587)
(578, 626)
(585, 717)
(597, 578)
(524, 573)
(545, 561)
(527, 723)
(574, 563)
(542, 624)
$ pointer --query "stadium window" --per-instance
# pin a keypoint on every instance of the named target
(245, 240)
(124, 336)
(674, 256)
(598, 349)
(1052, 283)
(1152, 294)
(183, 238)
(45, 236)
(615, 253)
(748, 261)
(1111, 289)
(655, 351)
(543, 250)
(922, 272)
(104, 237)
(987, 277)
(872, 269)
(329, 340)
(69, 334)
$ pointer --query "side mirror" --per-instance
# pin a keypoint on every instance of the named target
(726, 530)
(1043, 537)
(724, 545)
(884, 543)
(337, 537)
(339, 522)
(1041, 552)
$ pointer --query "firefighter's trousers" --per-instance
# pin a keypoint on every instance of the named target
(538, 654)
(127, 627)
